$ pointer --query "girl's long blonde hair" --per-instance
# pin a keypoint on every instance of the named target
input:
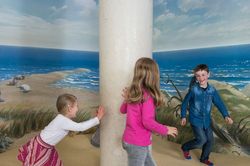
(146, 77)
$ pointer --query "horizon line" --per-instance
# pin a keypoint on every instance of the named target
(182, 49)
(70, 49)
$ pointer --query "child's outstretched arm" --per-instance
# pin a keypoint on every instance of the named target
(219, 104)
(68, 124)
(184, 104)
(149, 122)
(221, 107)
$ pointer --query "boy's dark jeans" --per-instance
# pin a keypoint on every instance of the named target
(203, 138)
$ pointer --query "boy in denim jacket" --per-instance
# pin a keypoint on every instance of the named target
(199, 99)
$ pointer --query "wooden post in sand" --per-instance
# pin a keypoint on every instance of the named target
(125, 35)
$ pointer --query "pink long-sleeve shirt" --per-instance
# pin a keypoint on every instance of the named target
(140, 122)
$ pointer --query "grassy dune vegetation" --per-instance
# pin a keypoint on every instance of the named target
(15, 123)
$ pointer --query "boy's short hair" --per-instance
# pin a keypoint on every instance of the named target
(201, 67)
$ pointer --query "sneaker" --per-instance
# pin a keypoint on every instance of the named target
(207, 162)
(186, 155)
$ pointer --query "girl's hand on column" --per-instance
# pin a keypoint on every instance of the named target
(100, 112)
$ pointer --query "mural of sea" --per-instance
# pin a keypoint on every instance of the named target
(229, 64)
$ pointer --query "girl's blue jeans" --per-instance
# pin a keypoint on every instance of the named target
(203, 139)
(139, 155)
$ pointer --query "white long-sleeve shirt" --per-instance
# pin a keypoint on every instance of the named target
(59, 127)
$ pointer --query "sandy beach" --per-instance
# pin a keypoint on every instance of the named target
(77, 150)
(43, 94)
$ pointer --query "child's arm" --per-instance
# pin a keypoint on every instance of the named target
(184, 108)
(219, 104)
(68, 124)
(221, 107)
(123, 108)
(149, 122)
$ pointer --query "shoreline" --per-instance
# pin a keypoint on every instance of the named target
(42, 94)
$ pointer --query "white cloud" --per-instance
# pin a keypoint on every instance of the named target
(186, 5)
(165, 16)
(156, 33)
(86, 6)
(203, 35)
(90, 4)
(160, 2)
(28, 30)
(55, 9)
(222, 22)
(74, 25)
(245, 9)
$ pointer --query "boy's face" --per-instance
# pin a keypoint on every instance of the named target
(202, 77)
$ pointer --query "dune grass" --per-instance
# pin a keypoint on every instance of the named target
(167, 117)
(16, 123)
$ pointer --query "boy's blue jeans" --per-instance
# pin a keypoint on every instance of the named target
(203, 139)
(139, 155)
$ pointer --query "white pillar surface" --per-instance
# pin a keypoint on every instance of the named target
(125, 35)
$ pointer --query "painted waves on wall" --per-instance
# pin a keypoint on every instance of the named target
(228, 64)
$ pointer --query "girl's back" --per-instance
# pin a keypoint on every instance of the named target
(141, 122)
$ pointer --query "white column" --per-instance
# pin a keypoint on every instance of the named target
(125, 35)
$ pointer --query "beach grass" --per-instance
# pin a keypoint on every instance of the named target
(166, 116)
(16, 123)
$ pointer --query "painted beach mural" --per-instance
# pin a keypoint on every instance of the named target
(40, 60)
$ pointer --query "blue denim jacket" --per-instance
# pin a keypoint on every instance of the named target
(200, 105)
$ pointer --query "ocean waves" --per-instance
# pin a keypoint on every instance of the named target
(229, 65)
(90, 80)
(80, 80)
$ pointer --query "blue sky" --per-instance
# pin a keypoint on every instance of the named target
(181, 24)
(73, 24)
